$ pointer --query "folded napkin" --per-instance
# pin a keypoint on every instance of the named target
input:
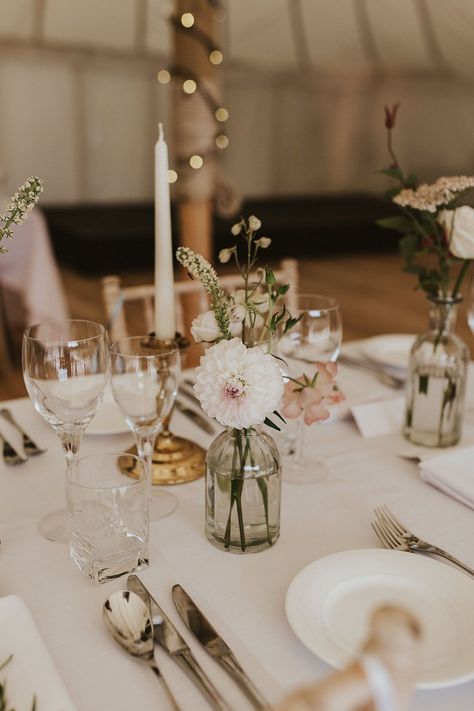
(31, 671)
(452, 473)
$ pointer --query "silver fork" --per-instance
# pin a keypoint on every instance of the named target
(393, 534)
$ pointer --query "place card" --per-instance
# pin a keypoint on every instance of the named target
(379, 417)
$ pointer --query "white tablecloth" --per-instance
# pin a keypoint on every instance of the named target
(29, 269)
(242, 595)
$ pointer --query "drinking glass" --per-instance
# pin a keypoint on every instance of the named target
(108, 515)
(65, 368)
(145, 374)
(316, 337)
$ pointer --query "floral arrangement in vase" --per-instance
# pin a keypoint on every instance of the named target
(18, 208)
(240, 383)
(437, 245)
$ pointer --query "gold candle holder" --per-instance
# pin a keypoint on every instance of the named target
(176, 460)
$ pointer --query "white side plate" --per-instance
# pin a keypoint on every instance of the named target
(329, 603)
(391, 350)
(108, 420)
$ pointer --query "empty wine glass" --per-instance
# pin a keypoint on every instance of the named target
(145, 374)
(65, 368)
(316, 337)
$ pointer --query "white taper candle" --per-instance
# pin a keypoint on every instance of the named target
(165, 319)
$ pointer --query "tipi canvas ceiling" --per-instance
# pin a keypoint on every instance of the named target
(305, 83)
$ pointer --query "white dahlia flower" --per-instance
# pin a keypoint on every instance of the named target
(238, 386)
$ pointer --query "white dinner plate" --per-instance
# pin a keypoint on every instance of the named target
(391, 350)
(329, 603)
(108, 419)
(31, 671)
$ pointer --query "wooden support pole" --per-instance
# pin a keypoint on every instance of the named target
(194, 129)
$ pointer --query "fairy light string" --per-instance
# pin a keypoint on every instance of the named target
(191, 85)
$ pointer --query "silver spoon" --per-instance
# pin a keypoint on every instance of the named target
(127, 618)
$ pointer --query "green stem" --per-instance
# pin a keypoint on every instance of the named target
(262, 485)
(461, 275)
(238, 492)
(229, 518)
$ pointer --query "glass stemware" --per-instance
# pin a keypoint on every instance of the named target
(145, 374)
(316, 337)
(65, 368)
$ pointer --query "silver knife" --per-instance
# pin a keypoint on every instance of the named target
(213, 643)
(168, 637)
(196, 417)
(11, 456)
(30, 447)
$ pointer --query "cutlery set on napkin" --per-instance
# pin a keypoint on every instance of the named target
(137, 623)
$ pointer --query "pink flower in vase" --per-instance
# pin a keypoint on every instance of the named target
(312, 396)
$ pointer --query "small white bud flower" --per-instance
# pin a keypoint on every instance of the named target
(263, 242)
(226, 254)
(254, 223)
(236, 229)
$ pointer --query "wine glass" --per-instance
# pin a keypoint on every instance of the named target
(145, 374)
(316, 337)
(66, 369)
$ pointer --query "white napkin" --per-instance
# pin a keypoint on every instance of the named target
(452, 473)
(379, 417)
(31, 670)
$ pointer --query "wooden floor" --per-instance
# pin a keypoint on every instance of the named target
(375, 295)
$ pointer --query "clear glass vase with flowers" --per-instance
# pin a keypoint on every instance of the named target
(241, 384)
(437, 245)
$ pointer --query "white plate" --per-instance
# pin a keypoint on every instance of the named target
(391, 350)
(108, 420)
(329, 603)
(31, 671)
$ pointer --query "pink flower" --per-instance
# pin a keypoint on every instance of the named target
(311, 396)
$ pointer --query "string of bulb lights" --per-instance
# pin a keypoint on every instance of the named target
(191, 84)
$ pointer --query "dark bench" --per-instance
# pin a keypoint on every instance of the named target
(107, 238)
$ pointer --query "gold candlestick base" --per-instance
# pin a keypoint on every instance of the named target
(175, 460)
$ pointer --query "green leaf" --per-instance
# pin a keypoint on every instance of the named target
(393, 172)
(291, 322)
(269, 423)
(408, 246)
(282, 289)
(400, 223)
(411, 181)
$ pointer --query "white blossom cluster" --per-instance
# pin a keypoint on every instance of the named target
(199, 268)
(20, 205)
(429, 198)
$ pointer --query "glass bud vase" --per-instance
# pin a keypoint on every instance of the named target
(436, 380)
(243, 490)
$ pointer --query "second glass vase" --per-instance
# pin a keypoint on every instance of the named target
(436, 380)
(243, 489)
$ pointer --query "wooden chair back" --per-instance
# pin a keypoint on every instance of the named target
(381, 677)
(117, 297)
